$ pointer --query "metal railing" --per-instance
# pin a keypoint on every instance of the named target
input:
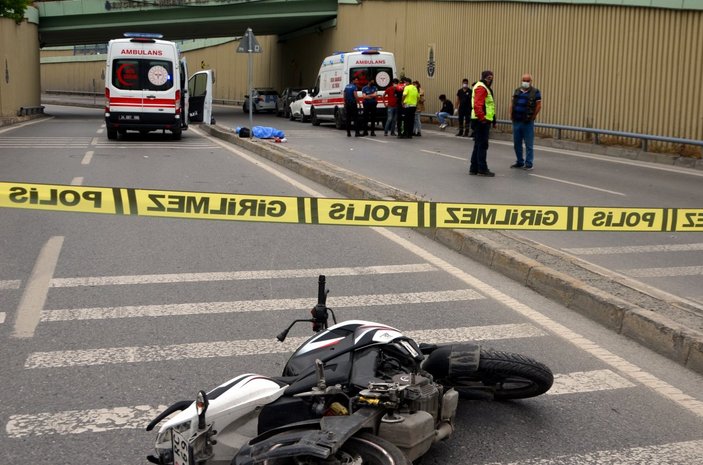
(644, 138)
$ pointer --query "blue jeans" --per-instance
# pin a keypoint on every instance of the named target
(390, 120)
(441, 117)
(524, 131)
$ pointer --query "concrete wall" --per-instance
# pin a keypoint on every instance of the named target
(619, 68)
(19, 65)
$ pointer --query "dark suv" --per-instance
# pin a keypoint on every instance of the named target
(285, 99)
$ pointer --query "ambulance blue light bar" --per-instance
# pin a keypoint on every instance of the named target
(367, 49)
(143, 35)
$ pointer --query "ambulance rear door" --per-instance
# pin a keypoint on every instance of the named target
(200, 96)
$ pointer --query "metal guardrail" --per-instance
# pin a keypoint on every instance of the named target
(645, 138)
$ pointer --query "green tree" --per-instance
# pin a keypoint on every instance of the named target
(13, 9)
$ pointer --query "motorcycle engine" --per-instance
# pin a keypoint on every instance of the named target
(420, 394)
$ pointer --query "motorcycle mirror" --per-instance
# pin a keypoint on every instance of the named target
(201, 405)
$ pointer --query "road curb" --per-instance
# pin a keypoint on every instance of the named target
(649, 328)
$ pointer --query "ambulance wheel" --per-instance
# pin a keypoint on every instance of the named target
(313, 117)
(112, 134)
(176, 135)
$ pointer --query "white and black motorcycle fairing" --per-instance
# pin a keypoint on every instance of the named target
(357, 392)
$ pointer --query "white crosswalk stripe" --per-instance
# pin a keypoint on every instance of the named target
(677, 453)
(107, 419)
(664, 271)
(204, 308)
(239, 275)
(10, 284)
(142, 354)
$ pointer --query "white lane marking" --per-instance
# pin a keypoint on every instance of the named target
(618, 363)
(611, 159)
(100, 131)
(239, 275)
(10, 284)
(77, 181)
(371, 139)
(34, 296)
(81, 421)
(2, 317)
(629, 369)
(634, 249)
(444, 155)
(91, 357)
(94, 141)
(208, 308)
(88, 156)
(21, 125)
(587, 381)
(156, 146)
(662, 272)
(585, 186)
(100, 420)
(675, 453)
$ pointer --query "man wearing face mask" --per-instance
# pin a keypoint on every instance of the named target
(482, 116)
(463, 106)
(524, 108)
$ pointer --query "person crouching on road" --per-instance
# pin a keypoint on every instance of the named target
(351, 107)
(369, 94)
(524, 108)
(410, 99)
(446, 110)
(482, 116)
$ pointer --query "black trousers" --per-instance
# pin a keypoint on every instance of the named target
(408, 121)
(369, 117)
(480, 152)
(464, 117)
(399, 118)
(352, 116)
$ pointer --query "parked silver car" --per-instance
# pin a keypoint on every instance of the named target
(264, 100)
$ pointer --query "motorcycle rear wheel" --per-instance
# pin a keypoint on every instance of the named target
(362, 449)
(504, 376)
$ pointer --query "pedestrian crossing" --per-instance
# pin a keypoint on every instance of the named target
(110, 419)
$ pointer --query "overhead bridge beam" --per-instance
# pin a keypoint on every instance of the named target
(75, 22)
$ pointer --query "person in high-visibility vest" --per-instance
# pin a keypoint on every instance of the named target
(482, 116)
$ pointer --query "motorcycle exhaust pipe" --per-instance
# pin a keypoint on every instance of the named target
(444, 430)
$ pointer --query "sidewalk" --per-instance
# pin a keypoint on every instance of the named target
(657, 320)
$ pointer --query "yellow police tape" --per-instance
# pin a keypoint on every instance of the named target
(348, 212)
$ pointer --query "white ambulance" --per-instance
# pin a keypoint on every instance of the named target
(146, 87)
(338, 70)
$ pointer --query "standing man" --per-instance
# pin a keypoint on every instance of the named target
(351, 108)
(369, 93)
(410, 98)
(463, 104)
(400, 114)
(391, 101)
(417, 128)
(482, 115)
(524, 108)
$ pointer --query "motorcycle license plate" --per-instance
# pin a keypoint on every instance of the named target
(182, 452)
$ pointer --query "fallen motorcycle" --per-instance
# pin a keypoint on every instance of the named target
(356, 392)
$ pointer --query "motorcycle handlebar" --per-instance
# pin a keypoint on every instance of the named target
(321, 292)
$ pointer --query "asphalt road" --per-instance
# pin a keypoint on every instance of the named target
(435, 167)
(135, 313)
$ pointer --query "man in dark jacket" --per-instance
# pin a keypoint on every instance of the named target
(351, 107)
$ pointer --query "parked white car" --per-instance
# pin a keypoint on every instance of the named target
(300, 107)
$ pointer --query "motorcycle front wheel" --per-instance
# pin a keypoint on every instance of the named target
(504, 376)
(362, 449)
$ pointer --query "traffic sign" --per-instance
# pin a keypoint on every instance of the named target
(249, 44)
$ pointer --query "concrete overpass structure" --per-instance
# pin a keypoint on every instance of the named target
(75, 22)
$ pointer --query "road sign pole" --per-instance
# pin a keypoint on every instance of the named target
(250, 45)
